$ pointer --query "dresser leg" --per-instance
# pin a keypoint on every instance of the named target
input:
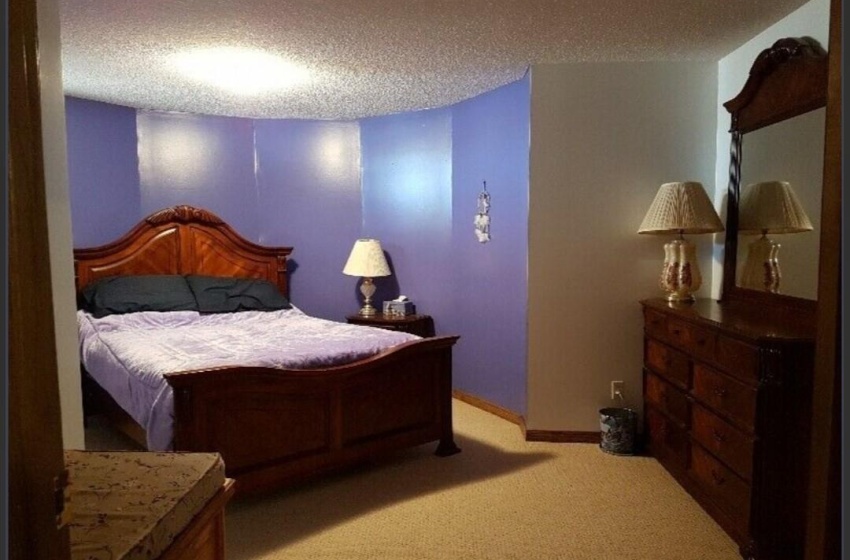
(749, 551)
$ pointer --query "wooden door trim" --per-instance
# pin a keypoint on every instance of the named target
(36, 462)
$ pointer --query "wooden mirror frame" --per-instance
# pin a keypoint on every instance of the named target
(786, 80)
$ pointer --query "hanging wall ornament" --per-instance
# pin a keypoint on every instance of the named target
(482, 218)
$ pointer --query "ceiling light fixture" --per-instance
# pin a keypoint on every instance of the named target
(239, 70)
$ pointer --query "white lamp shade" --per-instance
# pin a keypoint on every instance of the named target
(367, 260)
(681, 208)
(771, 207)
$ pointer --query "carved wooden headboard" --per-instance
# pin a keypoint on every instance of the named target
(182, 240)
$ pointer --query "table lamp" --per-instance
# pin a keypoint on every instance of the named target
(680, 208)
(768, 207)
(367, 261)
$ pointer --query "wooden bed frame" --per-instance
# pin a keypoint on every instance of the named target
(274, 427)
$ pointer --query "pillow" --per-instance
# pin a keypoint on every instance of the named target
(216, 294)
(129, 294)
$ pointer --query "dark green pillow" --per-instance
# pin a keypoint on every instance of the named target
(129, 294)
(216, 294)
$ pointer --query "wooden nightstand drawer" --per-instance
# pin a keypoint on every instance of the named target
(667, 398)
(420, 325)
(730, 398)
(727, 490)
(692, 339)
(667, 441)
(674, 366)
(729, 444)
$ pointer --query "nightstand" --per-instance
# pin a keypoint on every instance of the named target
(420, 325)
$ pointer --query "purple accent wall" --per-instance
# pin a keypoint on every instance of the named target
(203, 161)
(103, 171)
(407, 205)
(308, 176)
(411, 180)
(490, 142)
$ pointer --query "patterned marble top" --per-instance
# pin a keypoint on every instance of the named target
(132, 505)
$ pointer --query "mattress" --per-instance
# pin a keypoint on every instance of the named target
(132, 505)
(128, 355)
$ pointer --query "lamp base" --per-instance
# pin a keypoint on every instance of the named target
(681, 298)
(680, 276)
(367, 311)
(367, 288)
(761, 270)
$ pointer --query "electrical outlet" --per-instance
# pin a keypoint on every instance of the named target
(617, 390)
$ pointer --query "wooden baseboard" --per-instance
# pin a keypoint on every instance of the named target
(557, 436)
(487, 406)
(529, 435)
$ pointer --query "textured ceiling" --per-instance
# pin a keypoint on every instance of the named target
(373, 57)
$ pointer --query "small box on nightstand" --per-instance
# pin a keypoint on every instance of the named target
(396, 307)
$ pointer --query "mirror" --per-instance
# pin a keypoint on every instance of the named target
(778, 125)
(791, 151)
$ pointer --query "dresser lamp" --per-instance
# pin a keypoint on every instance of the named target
(680, 208)
(367, 261)
(769, 207)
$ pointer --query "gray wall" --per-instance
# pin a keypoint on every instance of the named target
(604, 137)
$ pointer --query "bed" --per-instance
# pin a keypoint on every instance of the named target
(274, 426)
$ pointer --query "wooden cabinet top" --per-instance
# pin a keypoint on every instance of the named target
(745, 319)
(386, 319)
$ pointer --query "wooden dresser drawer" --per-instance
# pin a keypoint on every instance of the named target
(737, 358)
(726, 442)
(674, 366)
(692, 339)
(668, 398)
(655, 324)
(668, 442)
(726, 489)
(730, 398)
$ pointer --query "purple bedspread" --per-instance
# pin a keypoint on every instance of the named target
(128, 354)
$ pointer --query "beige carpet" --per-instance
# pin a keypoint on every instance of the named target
(501, 498)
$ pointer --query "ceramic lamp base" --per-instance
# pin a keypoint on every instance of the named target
(680, 276)
(761, 270)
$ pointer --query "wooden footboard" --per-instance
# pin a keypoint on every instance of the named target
(275, 427)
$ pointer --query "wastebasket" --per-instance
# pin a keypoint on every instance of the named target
(619, 428)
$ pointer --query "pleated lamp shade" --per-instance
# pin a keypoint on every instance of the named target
(772, 207)
(681, 208)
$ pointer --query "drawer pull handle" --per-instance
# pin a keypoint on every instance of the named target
(720, 392)
(717, 478)
(718, 436)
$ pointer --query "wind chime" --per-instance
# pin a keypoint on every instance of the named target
(482, 218)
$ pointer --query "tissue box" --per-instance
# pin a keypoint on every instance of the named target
(399, 308)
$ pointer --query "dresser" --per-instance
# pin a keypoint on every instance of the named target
(727, 406)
